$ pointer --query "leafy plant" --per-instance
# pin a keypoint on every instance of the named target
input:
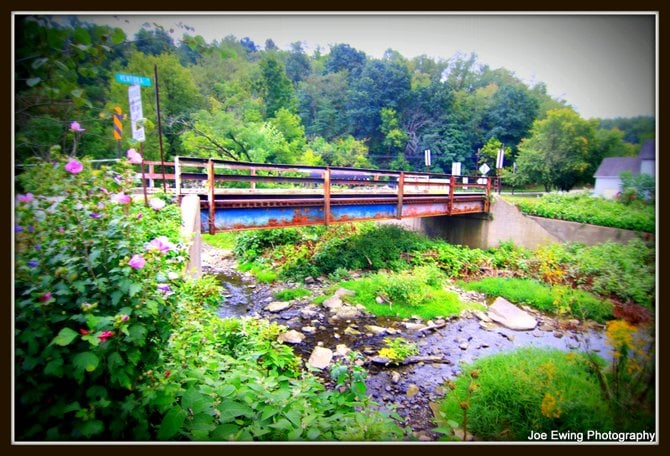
(398, 349)
(289, 294)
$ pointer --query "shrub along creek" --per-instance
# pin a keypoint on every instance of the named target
(417, 313)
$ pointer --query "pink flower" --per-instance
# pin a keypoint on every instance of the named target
(161, 243)
(139, 216)
(105, 335)
(83, 331)
(74, 126)
(74, 166)
(120, 198)
(45, 297)
(137, 262)
(134, 157)
(28, 197)
(125, 317)
(156, 204)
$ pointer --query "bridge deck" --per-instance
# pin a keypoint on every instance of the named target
(296, 195)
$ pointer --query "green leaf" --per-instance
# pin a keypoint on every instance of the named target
(293, 416)
(230, 409)
(81, 35)
(55, 368)
(134, 289)
(85, 361)
(172, 422)
(225, 431)
(227, 390)
(193, 401)
(116, 297)
(64, 337)
(313, 434)
(91, 428)
(72, 407)
(118, 36)
(77, 93)
(39, 62)
(268, 411)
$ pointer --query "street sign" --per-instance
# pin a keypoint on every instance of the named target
(426, 156)
(456, 168)
(484, 169)
(135, 102)
(133, 80)
(500, 158)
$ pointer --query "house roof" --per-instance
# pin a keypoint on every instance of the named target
(648, 151)
(613, 166)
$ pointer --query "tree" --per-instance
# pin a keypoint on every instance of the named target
(510, 115)
(322, 106)
(276, 88)
(557, 154)
(344, 57)
(297, 63)
(154, 42)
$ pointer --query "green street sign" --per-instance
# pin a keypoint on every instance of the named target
(132, 79)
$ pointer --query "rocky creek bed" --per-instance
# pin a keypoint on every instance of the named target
(321, 334)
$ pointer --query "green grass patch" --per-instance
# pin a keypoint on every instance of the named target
(511, 394)
(417, 292)
(291, 293)
(557, 299)
(224, 240)
(262, 272)
(587, 209)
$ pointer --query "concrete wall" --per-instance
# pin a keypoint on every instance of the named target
(607, 187)
(507, 223)
(190, 220)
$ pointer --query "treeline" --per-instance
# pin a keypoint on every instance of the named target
(234, 99)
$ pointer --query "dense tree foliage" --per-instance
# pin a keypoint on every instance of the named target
(234, 99)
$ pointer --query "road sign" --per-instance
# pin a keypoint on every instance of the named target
(500, 158)
(426, 156)
(135, 101)
(456, 168)
(118, 126)
(484, 169)
(133, 80)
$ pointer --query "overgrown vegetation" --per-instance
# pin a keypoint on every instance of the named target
(556, 299)
(398, 350)
(404, 294)
(509, 395)
(224, 240)
(289, 294)
(112, 342)
(632, 215)
(623, 272)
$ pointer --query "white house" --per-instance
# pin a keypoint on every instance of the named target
(608, 182)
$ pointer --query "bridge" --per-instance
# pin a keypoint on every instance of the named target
(240, 195)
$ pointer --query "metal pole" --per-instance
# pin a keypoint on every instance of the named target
(401, 193)
(144, 182)
(160, 129)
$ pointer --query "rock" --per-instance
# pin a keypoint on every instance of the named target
(488, 326)
(333, 303)
(481, 316)
(484, 345)
(346, 312)
(336, 336)
(349, 331)
(392, 331)
(395, 377)
(292, 337)
(320, 357)
(309, 280)
(380, 300)
(342, 350)
(507, 314)
(277, 306)
(463, 346)
(412, 390)
(309, 312)
(558, 334)
(308, 329)
(376, 330)
(344, 292)
(414, 326)
(379, 360)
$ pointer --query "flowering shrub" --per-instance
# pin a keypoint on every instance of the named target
(92, 299)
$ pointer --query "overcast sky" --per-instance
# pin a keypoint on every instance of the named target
(601, 64)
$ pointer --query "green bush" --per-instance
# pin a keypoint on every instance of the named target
(511, 394)
(398, 349)
(291, 293)
(95, 282)
(557, 299)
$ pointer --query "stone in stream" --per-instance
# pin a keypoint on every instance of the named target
(412, 390)
(414, 326)
(349, 331)
(277, 306)
(346, 312)
(308, 329)
(507, 314)
(376, 330)
(320, 357)
(291, 337)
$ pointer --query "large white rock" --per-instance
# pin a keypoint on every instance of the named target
(277, 306)
(507, 314)
(320, 357)
(291, 337)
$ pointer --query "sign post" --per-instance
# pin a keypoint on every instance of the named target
(118, 129)
(426, 156)
(135, 102)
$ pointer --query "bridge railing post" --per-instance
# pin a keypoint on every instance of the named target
(177, 178)
(401, 194)
(487, 202)
(210, 196)
(452, 184)
(326, 196)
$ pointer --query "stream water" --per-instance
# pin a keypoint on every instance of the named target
(410, 389)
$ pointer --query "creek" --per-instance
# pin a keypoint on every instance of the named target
(414, 389)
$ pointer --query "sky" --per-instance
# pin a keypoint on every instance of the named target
(602, 64)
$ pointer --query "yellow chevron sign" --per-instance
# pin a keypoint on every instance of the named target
(118, 126)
